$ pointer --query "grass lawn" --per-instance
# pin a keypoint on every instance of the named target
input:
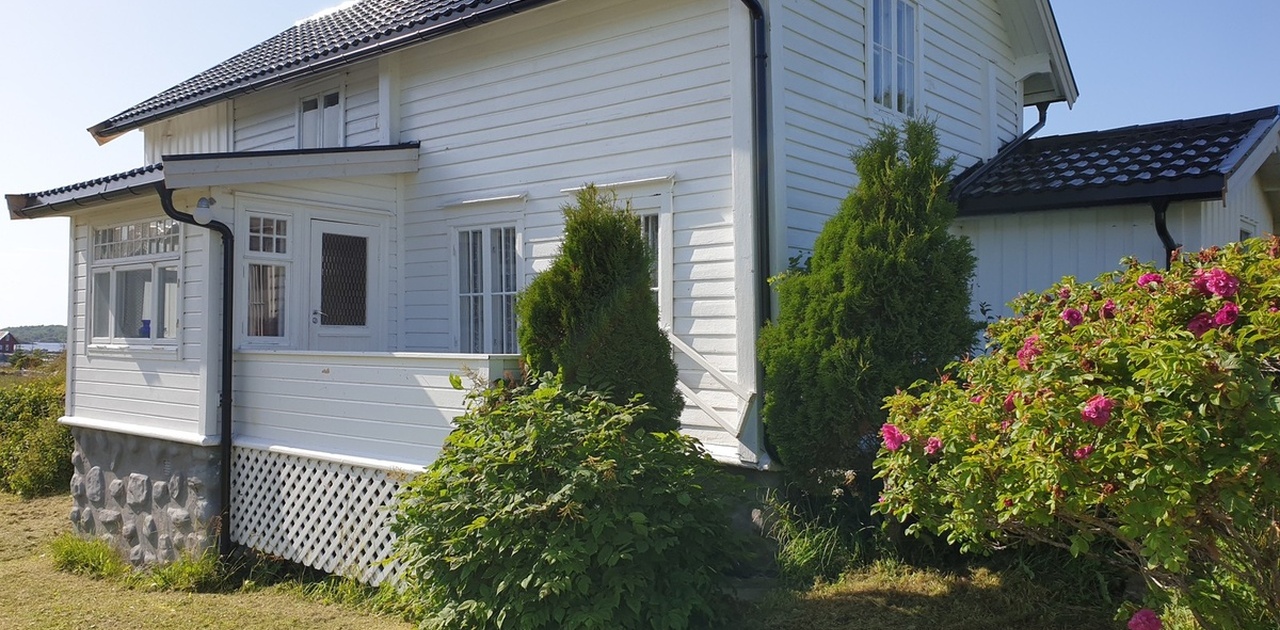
(34, 595)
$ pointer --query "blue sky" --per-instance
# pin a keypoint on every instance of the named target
(72, 63)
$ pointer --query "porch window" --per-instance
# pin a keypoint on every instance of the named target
(268, 272)
(488, 271)
(649, 230)
(894, 55)
(134, 282)
(320, 121)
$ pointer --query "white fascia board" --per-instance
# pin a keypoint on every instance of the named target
(1248, 165)
(244, 168)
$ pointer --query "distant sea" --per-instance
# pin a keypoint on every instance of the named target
(47, 347)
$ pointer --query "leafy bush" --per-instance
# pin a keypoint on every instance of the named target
(35, 451)
(1138, 417)
(884, 301)
(547, 508)
(592, 318)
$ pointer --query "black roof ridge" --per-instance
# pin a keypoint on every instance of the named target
(1261, 113)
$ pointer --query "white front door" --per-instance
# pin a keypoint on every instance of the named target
(345, 259)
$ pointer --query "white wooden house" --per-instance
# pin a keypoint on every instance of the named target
(392, 174)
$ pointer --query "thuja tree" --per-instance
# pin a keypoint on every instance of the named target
(592, 318)
(1137, 418)
(883, 301)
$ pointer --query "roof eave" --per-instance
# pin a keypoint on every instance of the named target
(1066, 79)
(1204, 188)
(105, 131)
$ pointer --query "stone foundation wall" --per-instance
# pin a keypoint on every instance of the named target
(152, 499)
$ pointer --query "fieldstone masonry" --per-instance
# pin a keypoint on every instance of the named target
(152, 499)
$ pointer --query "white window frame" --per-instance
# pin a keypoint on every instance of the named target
(288, 317)
(113, 267)
(485, 226)
(916, 104)
(341, 123)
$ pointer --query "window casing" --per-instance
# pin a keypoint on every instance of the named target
(134, 288)
(268, 269)
(487, 265)
(320, 120)
(895, 56)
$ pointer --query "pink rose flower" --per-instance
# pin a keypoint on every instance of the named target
(1200, 324)
(1215, 282)
(977, 400)
(894, 438)
(1072, 317)
(1150, 278)
(1028, 352)
(1109, 310)
(932, 446)
(1097, 410)
(973, 437)
(1083, 452)
(1064, 292)
(1145, 619)
(1226, 315)
(1010, 401)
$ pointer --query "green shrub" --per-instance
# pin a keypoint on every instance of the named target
(591, 316)
(1138, 417)
(547, 508)
(35, 451)
(884, 301)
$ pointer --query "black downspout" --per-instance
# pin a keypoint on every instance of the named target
(224, 399)
(760, 157)
(957, 189)
(1161, 207)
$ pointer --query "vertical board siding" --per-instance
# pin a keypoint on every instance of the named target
(823, 74)
(160, 393)
(1030, 251)
(576, 92)
(204, 130)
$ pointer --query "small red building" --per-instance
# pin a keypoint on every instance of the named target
(8, 343)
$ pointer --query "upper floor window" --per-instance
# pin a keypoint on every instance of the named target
(320, 121)
(894, 55)
(134, 285)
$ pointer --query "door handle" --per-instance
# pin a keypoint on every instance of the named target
(316, 315)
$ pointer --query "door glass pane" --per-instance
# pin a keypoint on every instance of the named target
(344, 273)
(133, 303)
(167, 326)
(266, 300)
(101, 324)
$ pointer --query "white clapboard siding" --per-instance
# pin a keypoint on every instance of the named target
(1246, 208)
(267, 120)
(576, 93)
(1030, 251)
(384, 406)
(824, 112)
(146, 390)
(204, 130)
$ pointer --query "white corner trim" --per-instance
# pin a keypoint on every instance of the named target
(114, 426)
(350, 460)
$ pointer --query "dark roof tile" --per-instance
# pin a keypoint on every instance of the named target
(1182, 158)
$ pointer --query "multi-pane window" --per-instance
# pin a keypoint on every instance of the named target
(320, 121)
(649, 230)
(134, 281)
(488, 271)
(268, 246)
(893, 55)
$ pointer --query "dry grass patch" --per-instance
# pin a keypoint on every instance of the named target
(890, 596)
(35, 595)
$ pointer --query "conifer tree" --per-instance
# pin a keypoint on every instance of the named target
(591, 316)
(883, 301)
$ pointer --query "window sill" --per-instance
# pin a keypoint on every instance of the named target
(134, 350)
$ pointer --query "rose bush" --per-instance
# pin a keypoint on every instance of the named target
(1137, 418)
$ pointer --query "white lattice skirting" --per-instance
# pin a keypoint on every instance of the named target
(326, 515)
